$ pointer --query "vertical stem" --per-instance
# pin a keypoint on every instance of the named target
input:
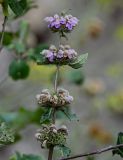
(3, 30)
(56, 79)
(53, 116)
(50, 153)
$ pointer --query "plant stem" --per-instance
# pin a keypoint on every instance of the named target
(53, 116)
(99, 151)
(3, 31)
(56, 79)
(50, 153)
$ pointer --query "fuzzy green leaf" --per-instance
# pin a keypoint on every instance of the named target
(19, 70)
(71, 116)
(8, 37)
(35, 55)
(65, 150)
(119, 150)
(46, 116)
(22, 118)
(79, 62)
(6, 134)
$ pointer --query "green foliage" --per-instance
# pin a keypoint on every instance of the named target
(4, 4)
(79, 62)
(18, 156)
(46, 117)
(64, 112)
(67, 112)
(34, 53)
(19, 70)
(8, 37)
(19, 42)
(20, 119)
(119, 150)
(6, 134)
(76, 77)
(20, 7)
(65, 150)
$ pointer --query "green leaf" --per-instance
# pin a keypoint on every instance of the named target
(22, 117)
(71, 116)
(35, 55)
(18, 156)
(23, 31)
(21, 7)
(19, 70)
(46, 116)
(8, 37)
(119, 150)
(65, 150)
(6, 134)
(79, 62)
(19, 47)
(16, 7)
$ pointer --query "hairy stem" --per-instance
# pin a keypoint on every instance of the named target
(3, 31)
(56, 79)
(50, 153)
(99, 151)
(54, 116)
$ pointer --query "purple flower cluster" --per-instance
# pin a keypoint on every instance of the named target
(63, 54)
(60, 99)
(64, 23)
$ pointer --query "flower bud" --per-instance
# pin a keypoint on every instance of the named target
(44, 144)
(37, 136)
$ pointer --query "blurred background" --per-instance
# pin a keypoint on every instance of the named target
(97, 88)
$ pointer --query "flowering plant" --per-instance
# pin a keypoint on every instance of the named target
(59, 99)
(62, 23)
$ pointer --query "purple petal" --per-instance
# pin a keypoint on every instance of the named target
(50, 56)
(71, 53)
(60, 54)
(69, 26)
(69, 99)
(49, 19)
(62, 20)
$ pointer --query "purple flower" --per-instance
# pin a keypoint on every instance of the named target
(62, 20)
(74, 21)
(60, 54)
(50, 56)
(69, 26)
(69, 99)
(55, 24)
(71, 53)
(56, 16)
(49, 19)
(57, 21)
